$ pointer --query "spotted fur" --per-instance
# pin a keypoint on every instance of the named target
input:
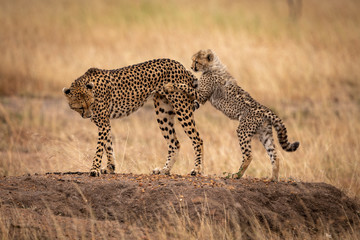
(220, 88)
(102, 95)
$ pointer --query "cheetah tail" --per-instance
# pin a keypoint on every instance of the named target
(282, 134)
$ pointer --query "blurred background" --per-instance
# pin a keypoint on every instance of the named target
(300, 58)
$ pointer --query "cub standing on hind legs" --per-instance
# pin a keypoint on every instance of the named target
(220, 88)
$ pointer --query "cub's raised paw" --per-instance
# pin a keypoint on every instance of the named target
(169, 87)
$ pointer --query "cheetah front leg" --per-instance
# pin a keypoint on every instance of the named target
(104, 143)
(110, 166)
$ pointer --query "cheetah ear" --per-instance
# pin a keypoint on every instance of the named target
(92, 70)
(90, 85)
(210, 57)
(66, 91)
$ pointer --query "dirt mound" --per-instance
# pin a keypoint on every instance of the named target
(134, 206)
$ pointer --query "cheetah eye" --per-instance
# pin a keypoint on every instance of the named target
(90, 85)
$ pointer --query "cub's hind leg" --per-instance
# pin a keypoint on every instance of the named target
(266, 138)
(165, 118)
(245, 132)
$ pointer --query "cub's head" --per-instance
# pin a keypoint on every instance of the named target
(204, 60)
(80, 95)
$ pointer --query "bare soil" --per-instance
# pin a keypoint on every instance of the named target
(75, 205)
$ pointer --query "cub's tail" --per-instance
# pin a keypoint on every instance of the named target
(282, 133)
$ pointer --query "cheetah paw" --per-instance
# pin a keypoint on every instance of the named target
(95, 173)
(110, 169)
(236, 175)
(274, 179)
(158, 171)
(195, 173)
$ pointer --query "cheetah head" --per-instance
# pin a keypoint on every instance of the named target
(204, 60)
(80, 97)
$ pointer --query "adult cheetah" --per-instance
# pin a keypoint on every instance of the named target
(220, 88)
(102, 95)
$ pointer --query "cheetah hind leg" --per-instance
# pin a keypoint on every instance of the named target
(188, 124)
(183, 108)
(266, 138)
(245, 144)
(165, 118)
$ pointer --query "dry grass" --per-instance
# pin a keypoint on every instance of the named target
(307, 71)
(15, 222)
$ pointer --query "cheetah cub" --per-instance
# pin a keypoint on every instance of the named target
(220, 88)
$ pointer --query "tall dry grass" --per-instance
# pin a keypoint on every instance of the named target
(307, 71)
